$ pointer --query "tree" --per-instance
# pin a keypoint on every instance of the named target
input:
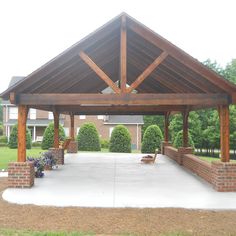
(153, 120)
(178, 141)
(230, 71)
(13, 141)
(48, 136)
(120, 140)
(88, 138)
(152, 139)
(1, 112)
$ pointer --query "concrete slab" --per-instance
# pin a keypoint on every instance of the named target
(121, 180)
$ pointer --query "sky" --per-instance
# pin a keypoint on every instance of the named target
(34, 31)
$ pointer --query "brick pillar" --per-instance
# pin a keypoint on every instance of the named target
(224, 176)
(163, 145)
(72, 147)
(182, 151)
(58, 154)
(21, 174)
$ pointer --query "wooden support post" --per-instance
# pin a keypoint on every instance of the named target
(224, 133)
(166, 128)
(22, 118)
(56, 129)
(72, 126)
(123, 55)
(185, 128)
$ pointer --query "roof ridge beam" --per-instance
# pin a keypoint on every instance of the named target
(147, 71)
(102, 75)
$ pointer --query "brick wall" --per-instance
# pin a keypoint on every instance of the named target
(20, 174)
(197, 166)
(172, 153)
(224, 176)
(72, 147)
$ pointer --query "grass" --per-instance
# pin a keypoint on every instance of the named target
(9, 232)
(9, 155)
(210, 159)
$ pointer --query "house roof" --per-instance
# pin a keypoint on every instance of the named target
(124, 119)
(161, 68)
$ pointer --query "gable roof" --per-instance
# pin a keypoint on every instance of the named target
(176, 73)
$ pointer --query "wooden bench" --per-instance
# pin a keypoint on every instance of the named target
(65, 144)
(149, 158)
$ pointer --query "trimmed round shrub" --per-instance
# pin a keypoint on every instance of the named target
(151, 139)
(3, 139)
(13, 140)
(120, 140)
(88, 138)
(48, 136)
(178, 141)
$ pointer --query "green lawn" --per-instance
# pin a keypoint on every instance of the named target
(9, 155)
(210, 159)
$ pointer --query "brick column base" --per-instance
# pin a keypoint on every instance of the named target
(58, 154)
(224, 176)
(163, 144)
(72, 147)
(182, 151)
(21, 174)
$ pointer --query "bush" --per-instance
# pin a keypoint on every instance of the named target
(38, 166)
(178, 141)
(36, 144)
(151, 139)
(104, 143)
(48, 136)
(3, 139)
(1, 129)
(120, 140)
(13, 141)
(88, 138)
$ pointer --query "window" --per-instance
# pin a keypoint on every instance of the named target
(32, 114)
(13, 113)
(110, 131)
(50, 115)
(66, 131)
(78, 130)
(82, 117)
(100, 117)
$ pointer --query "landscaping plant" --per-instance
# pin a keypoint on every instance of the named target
(48, 159)
(120, 140)
(151, 139)
(48, 136)
(38, 166)
(178, 141)
(13, 141)
(88, 138)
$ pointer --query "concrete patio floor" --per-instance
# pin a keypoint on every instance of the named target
(120, 180)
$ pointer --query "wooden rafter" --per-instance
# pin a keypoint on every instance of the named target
(123, 99)
(147, 72)
(123, 54)
(99, 71)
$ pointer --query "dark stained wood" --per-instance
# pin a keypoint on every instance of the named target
(99, 72)
(123, 99)
(166, 127)
(185, 115)
(12, 98)
(22, 117)
(147, 72)
(179, 55)
(123, 54)
(224, 133)
(56, 129)
(72, 127)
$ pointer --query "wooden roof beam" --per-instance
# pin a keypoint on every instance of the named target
(99, 71)
(147, 72)
(123, 99)
(123, 54)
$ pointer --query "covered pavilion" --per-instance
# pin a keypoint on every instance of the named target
(146, 73)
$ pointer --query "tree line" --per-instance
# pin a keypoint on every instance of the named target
(204, 125)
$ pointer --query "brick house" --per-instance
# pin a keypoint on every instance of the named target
(38, 120)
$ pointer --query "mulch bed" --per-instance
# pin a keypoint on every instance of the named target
(116, 221)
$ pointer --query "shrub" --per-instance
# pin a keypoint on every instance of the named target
(120, 140)
(36, 144)
(88, 138)
(48, 159)
(13, 141)
(48, 136)
(1, 129)
(3, 139)
(178, 141)
(104, 143)
(38, 166)
(151, 139)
